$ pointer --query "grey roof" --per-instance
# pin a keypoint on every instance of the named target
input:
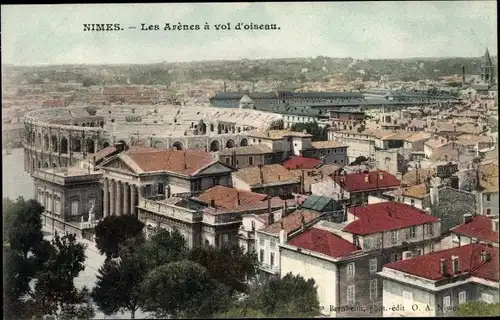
(286, 94)
(320, 204)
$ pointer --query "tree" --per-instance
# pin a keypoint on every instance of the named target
(358, 161)
(115, 230)
(55, 293)
(228, 264)
(290, 296)
(180, 289)
(23, 224)
(478, 309)
(164, 247)
(118, 285)
(318, 133)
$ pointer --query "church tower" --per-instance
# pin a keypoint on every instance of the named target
(487, 69)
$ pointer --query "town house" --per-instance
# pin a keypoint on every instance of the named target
(343, 258)
(474, 229)
(436, 284)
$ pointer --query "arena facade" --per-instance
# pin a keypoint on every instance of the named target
(62, 137)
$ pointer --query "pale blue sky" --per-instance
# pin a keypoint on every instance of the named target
(53, 34)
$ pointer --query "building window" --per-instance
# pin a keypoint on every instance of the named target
(413, 232)
(74, 207)
(394, 236)
(373, 265)
(261, 255)
(430, 230)
(488, 197)
(462, 297)
(271, 259)
(253, 225)
(432, 247)
(412, 202)
(394, 257)
(161, 188)
(57, 205)
(261, 242)
(350, 269)
(488, 298)
(373, 289)
(225, 238)
(148, 190)
(488, 211)
(446, 302)
(407, 296)
(272, 244)
(227, 161)
(215, 181)
(250, 161)
(351, 295)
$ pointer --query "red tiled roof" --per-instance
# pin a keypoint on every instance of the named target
(324, 242)
(480, 227)
(385, 216)
(227, 198)
(355, 182)
(179, 161)
(469, 260)
(291, 222)
(298, 162)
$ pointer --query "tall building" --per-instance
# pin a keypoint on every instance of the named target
(487, 70)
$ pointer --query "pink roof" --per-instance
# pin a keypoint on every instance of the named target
(386, 216)
(480, 227)
(324, 242)
(469, 260)
(355, 182)
(299, 162)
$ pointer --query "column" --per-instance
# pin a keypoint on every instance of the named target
(106, 198)
(133, 196)
(118, 199)
(112, 197)
(126, 200)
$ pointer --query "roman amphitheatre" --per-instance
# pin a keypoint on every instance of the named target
(62, 137)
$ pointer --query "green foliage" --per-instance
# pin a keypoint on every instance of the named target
(179, 289)
(23, 224)
(229, 264)
(164, 247)
(358, 161)
(478, 309)
(113, 231)
(290, 296)
(318, 133)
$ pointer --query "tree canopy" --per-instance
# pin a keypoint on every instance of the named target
(318, 133)
(113, 231)
(478, 309)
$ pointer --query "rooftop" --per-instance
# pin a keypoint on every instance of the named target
(324, 242)
(469, 261)
(386, 216)
(418, 191)
(292, 222)
(488, 176)
(299, 162)
(327, 144)
(418, 137)
(479, 227)
(277, 134)
(252, 149)
(229, 198)
(273, 173)
(356, 182)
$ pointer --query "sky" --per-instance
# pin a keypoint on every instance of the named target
(53, 34)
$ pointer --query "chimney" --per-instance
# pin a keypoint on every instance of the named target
(284, 208)
(321, 175)
(238, 198)
(463, 75)
(303, 223)
(168, 192)
(485, 256)
(494, 225)
(283, 235)
(269, 207)
(467, 218)
(442, 266)
(212, 203)
(367, 178)
(381, 175)
(261, 174)
(454, 264)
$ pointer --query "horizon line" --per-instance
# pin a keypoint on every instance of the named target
(234, 60)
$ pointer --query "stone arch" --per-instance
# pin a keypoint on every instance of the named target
(177, 145)
(230, 143)
(39, 140)
(90, 146)
(64, 145)
(101, 124)
(46, 164)
(54, 165)
(202, 127)
(77, 145)
(46, 143)
(159, 145)
(244, 142)
(215, 145)
(54, 143)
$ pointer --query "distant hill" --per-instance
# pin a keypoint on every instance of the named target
(290, 69)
